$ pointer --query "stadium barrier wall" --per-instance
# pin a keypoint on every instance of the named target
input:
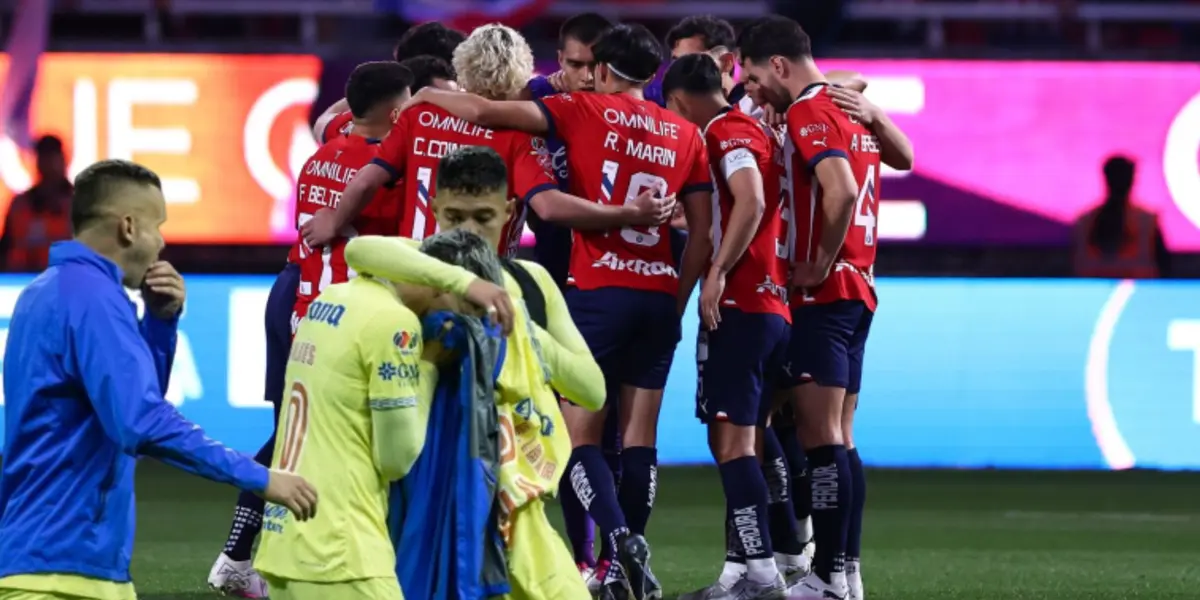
(959, 373)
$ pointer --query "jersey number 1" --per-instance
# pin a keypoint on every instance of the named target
(638, 183)
(295, 428)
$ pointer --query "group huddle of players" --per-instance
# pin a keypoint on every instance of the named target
(763, 190)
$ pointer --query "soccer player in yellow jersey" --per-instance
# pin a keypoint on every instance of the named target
(356, 403)
(356, 406)
(472, 196)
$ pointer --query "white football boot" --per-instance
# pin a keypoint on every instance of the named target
(812, 587)
(236, 578)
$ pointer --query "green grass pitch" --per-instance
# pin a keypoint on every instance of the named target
(961, 535)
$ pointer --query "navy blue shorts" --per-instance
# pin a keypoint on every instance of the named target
(828, 341)
(631, 333)
(737, 365)
(278, 320)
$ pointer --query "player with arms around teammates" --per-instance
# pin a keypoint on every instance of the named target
(544, 349)
(627, 296)
(375, 91)
(833, 161)
(744, 318)
(496, 62)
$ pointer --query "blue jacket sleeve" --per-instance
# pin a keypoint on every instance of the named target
(122, 383)
(161, 337)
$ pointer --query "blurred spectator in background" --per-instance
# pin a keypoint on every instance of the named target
(41, 215)
(433, 39)
(1118, 239)
(822, 19)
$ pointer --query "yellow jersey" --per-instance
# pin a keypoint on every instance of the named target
(534, 443)
(357, 405)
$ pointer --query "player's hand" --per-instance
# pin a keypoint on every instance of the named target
(320, 229)
(809, 275)
(855, 104)
(771, 117)
(494, 300)
(293, 492)
(163, 290)
(679, 219)
(422, 95)
(558, 81)
(650, 209)
(710, 298)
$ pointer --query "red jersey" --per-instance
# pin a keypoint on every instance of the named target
(617, 147)
(757, 283)
(425, 133)
(817, 129)
(322, 182)
(340, 125)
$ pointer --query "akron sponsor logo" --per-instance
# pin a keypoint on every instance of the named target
(1140, 379)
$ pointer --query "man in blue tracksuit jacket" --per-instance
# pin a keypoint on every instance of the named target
(83, 386)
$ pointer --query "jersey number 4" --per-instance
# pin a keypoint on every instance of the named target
(295, 428)
(866, 206)
(638, 183)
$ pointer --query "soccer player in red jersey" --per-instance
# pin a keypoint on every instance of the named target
(744, 317)
(375, 91)
(833, 163)
(496, 62)
(626, 295)
(375, 97)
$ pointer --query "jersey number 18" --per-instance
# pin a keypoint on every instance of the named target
(638, 183)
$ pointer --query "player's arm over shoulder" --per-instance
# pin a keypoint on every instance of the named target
(574, 372)
(400, 260)
(399, 389)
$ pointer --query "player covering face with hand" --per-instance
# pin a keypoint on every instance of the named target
(471, 201)
(627, 294)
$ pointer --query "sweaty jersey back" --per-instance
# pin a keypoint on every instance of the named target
(356, 351)
(617, 147)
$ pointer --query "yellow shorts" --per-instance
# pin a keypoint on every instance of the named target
(54, 586)
(539, 565)
(375, 588)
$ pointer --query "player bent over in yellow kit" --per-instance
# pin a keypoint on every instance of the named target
(472, 196)
(356, 406)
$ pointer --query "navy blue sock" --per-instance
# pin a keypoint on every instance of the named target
(248, 514)
(785, 531)
(733, 544)
(639, 483)
(831, 494)
(746, 493)
(797, 462)
(857, 503)
(579, 526)
(593, 484)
